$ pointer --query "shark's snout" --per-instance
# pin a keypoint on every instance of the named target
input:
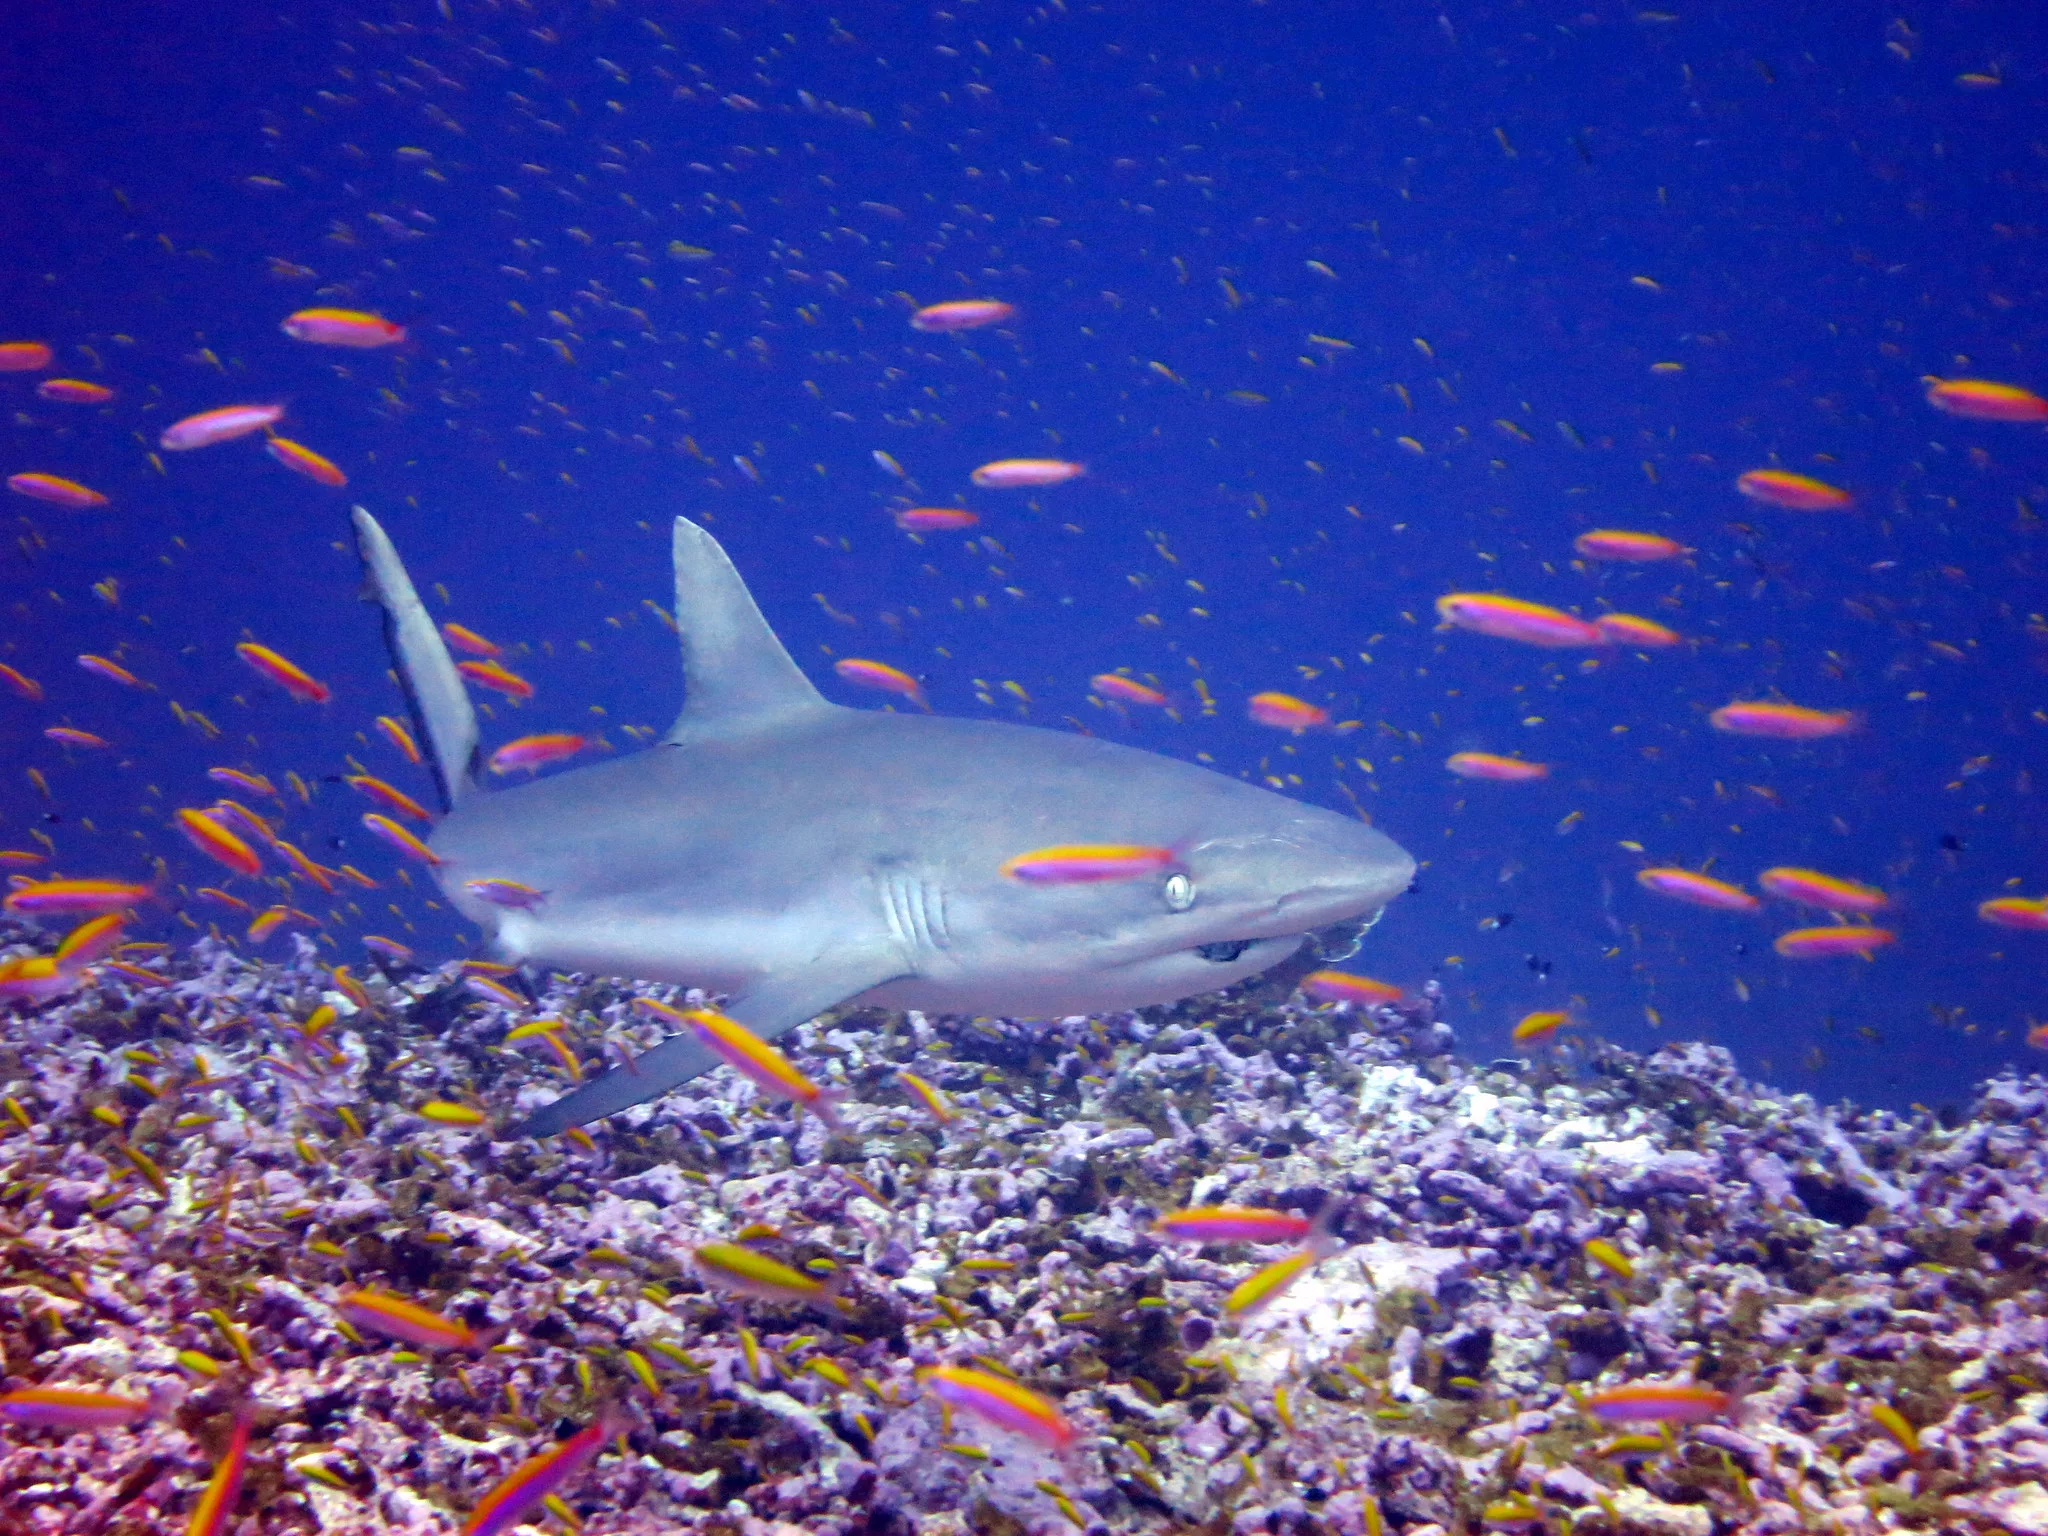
(1327, 873)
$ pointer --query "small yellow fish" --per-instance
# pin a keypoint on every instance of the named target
(729, 1267)
(1610, 1258)
(1265, 1287)
(444, 1112)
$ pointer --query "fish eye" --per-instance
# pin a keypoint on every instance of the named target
(1179, 892)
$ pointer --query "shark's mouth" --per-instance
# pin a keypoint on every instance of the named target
(1226, 951)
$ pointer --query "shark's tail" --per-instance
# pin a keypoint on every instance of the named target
(441, 711)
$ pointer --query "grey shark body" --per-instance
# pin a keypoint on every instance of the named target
(795, 854)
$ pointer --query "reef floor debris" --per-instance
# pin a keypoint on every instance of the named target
(1829, 1319)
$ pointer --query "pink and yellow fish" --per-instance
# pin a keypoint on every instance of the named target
(1002, 1402)
(537, 1477)
(1494, 768)
(1830, 893)
(217, 842)
(379, 1311)
(1017, 474)
(961, 315)
(1346, 987)
(470, 642)
(1283, 711)
(2028, 914)
(1983, 400)
(23, 356)
(1087, 863)
(1668, 1402)
(218, 426)
(71, 1408)
(1232, 1224)
(249, 783)
(112, 671)
(399, 838)
(55, 489)
(298, 457)
(513, 894)
(342, 328)
(1620, 544)
(876, 674)
(288, 675)
(74, 898)
(1125, 690)
(1826, 943)
(1700, 890)
(750, 1056)
(511, 1502)
(74, 391)
(214, 1513)
(1781, 722)
(1511, 618)
(389, 796)
(1644, 634)
(935, 519)
(399, 737)
(1801, 493)
(536, 752)
(495, 676)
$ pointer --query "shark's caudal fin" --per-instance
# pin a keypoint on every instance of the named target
(441, 711)
(737, 678)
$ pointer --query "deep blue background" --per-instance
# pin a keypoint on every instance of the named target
(1827, 213)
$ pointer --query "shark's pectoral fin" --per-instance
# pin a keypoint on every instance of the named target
(773, 1007)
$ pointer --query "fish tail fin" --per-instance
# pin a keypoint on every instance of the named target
(826, 1107)
(1323, 1239)
(441, 711)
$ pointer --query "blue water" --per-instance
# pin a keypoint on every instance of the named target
(1176, 199)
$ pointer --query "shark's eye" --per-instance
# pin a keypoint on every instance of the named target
(1179, 892)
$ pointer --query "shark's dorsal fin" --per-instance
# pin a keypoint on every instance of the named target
(737, 678)
(441, 711)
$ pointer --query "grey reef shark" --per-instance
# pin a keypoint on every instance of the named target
(796, 855)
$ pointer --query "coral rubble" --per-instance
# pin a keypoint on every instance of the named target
(195, 1171)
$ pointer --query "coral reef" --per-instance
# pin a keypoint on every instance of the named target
(193, 1171)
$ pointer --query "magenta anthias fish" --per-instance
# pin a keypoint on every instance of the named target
(1511, 618)
(1016, 474)
(1088, 863)
(534, 1479)
(218, 426)
(393, 1316)
(513, 894)
(961, 315)
(71, 1408)
(1000, 1401)
(1232, 1224)
(1670, 1402)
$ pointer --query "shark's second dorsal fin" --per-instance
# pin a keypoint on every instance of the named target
(737, 678)
(441, 711)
